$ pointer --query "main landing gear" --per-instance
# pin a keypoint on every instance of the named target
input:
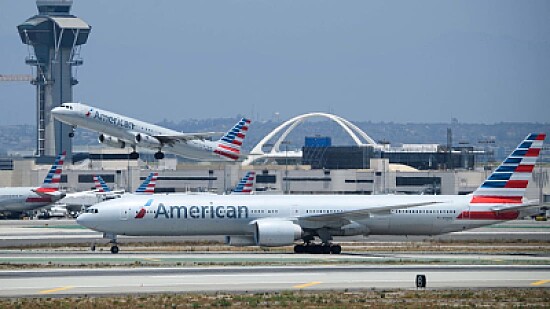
(134, 155)
(318, 249)
(325, 247)
(159, 155)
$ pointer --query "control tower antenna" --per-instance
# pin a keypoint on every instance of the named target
(55, 37)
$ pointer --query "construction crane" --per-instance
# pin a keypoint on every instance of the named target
(15, 78)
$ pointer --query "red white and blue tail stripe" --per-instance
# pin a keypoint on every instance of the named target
(100, 185)
(52, 180)
(508, 183)
(148, 185)
(245, 185)
(229, 146)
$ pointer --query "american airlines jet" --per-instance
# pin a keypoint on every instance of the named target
(77, 201)
(281, 220)
(21, 199)
(121, 131)
(246, 184)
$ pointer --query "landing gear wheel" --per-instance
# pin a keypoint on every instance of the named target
(114, 249)
(159, 155)
(71, 134)
(335, 249)
(299, 249)
(92, 248)
(134, 155)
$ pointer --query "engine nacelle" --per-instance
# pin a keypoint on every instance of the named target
(240, 241)
(145, 140)
(273, 233)
(111, 141)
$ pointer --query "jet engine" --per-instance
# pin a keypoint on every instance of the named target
(273, 233)
(111, 141)
(147, 141)
(240, 241)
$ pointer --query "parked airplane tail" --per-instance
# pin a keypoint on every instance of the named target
(148, 185)
(508, 183)
(100, 185)
(245, 185)
(229, 145)
(52, 180)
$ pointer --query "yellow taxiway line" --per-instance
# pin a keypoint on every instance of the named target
(540, 282)
(306, 285)
(64, 288)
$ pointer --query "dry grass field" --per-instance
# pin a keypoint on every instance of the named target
(482, 298)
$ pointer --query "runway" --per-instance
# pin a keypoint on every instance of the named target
(65, 282)
(519, 257)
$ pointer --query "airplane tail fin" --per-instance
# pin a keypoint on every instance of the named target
(148, 185)
(229, 146)
(100, 184)
(245, 185)
(508, 183)
(52, 180)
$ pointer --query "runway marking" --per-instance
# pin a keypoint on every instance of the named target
(306, 285)
(64, 288)
(540, 282)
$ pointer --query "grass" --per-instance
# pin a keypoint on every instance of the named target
(390, 298)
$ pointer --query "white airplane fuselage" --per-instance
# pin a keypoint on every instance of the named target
(125, 130)
(80, 200)
(178, 214)
(20, 199)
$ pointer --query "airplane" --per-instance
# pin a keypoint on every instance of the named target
(146, 187)
(77, 201)
(20, 199)
(281, 220)
(245, 185)
(121, 131)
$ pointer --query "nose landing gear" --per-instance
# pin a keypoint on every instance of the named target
(113, 242)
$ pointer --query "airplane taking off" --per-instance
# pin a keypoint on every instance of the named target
(121, 131)
(21, 199)
(281, 220)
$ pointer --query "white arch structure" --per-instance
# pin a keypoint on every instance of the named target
(352, 130)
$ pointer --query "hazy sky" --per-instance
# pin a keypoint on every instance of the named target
(401, 61)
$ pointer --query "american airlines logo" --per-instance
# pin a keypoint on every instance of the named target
(119, 122)
(201, 212)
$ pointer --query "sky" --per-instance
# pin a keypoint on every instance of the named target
(392, 61)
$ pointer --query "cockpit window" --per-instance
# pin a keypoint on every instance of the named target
(92, 211)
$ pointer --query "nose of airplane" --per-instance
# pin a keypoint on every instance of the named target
(86, 220)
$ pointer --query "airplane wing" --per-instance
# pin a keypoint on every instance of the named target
(346, 216)
(49, 192)
(528, 205)
(183, 137)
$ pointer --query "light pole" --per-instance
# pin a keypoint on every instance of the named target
(286, 143)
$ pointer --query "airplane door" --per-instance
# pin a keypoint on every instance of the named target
(124, 213)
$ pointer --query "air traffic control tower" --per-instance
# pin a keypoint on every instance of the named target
(54, 37)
